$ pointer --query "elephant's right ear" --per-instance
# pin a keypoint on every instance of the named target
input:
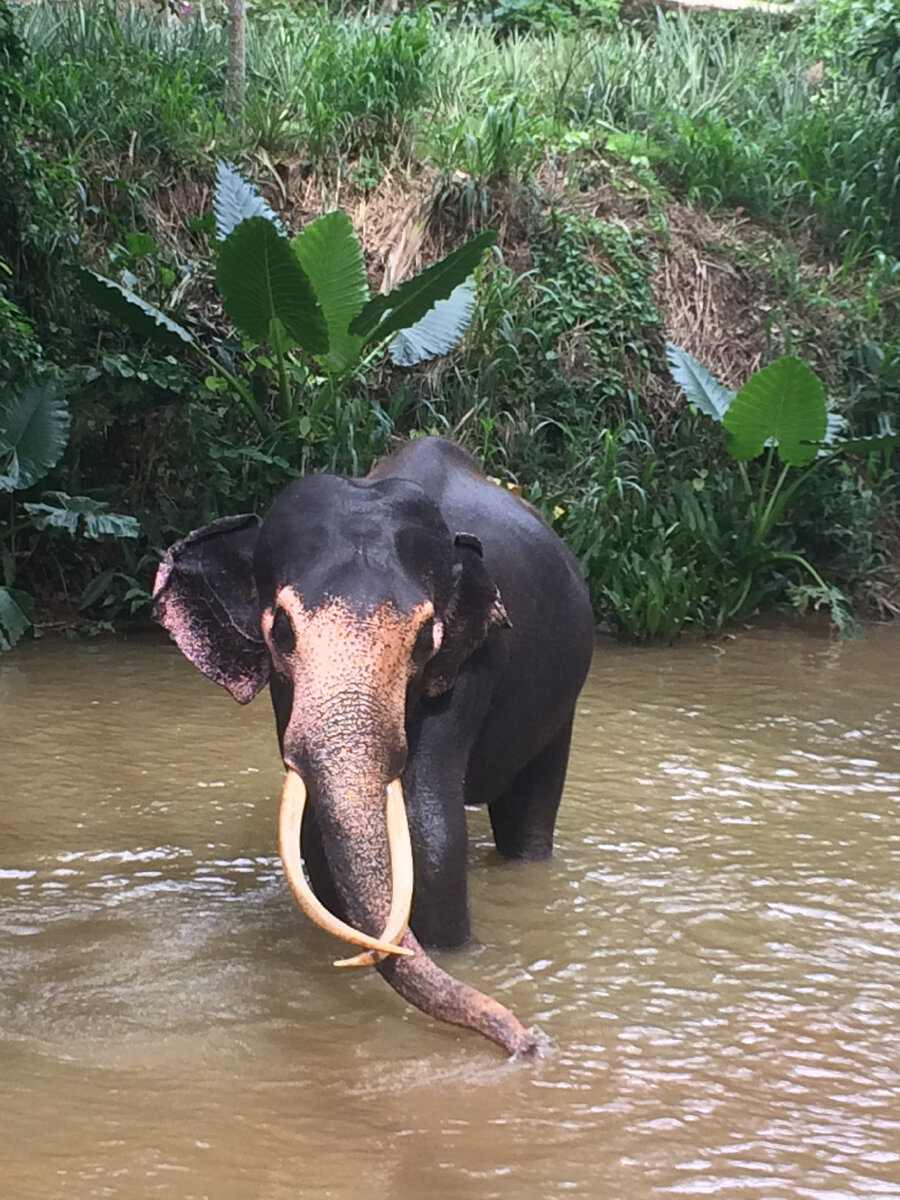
(205, 595)
(474, 610)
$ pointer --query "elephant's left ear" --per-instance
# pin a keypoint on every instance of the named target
(475, 609)
(205, 595)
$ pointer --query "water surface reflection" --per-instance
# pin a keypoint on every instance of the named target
(713, 955)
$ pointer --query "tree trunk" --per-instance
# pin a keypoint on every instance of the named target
(236, 70)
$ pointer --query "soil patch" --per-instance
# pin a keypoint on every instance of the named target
(711, 305)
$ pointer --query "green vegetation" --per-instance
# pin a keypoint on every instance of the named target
(34, 430)
(726, 182)
(308, 293)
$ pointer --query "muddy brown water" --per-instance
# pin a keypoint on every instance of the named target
(713, 956)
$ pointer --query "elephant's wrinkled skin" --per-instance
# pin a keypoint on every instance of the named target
(420, 623)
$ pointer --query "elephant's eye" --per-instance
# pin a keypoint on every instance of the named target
(424, 647)
(282, 633)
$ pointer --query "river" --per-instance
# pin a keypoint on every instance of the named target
(712, 957)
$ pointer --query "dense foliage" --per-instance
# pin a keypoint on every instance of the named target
(581, 137)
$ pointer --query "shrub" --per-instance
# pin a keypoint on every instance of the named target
(548, 16)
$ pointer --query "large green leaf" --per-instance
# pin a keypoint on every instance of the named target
(438, 331)
(784, 402)
(234, 200)
(14, 620)
(132, 310)
(34, 430)
(701, 387)
(408, 303)
(329, 252)
(96, 519)
(261, 281)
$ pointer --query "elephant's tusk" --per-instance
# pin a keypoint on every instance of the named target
(290, 822)
(401, 878)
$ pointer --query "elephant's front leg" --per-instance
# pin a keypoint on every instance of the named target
(440, 744)
(440, 841)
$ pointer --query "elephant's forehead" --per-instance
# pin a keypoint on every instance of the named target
(327, 521)
(344, 504)
(334, 638)
(335, 616)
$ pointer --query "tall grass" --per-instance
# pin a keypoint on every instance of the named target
(742, 124)
(121, 78)
(119, 81)
(345, 88)
(726, 102)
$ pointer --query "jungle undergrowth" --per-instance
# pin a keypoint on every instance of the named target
(560, 387)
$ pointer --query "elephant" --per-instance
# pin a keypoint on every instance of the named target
(424, 635)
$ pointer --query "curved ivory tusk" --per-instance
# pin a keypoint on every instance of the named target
(401, 877)
(290, 822)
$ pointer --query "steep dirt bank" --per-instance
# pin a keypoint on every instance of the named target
(718, 280)
(712, 280)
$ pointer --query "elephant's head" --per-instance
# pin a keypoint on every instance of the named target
(353, 600)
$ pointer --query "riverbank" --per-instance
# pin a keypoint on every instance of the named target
(680, 178)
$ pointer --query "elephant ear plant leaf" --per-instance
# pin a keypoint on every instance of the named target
(438, 331)
(132, 310)
(34, 430)
(701, 387)
(329, 252)
(261, 282)
(234, 200)
(406, 304)
(784, 402)
(782, 409)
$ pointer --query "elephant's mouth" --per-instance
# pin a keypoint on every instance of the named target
(290, 823)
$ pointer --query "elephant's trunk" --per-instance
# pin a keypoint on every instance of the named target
(422, 983)
(290, 824)
(355, 821)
